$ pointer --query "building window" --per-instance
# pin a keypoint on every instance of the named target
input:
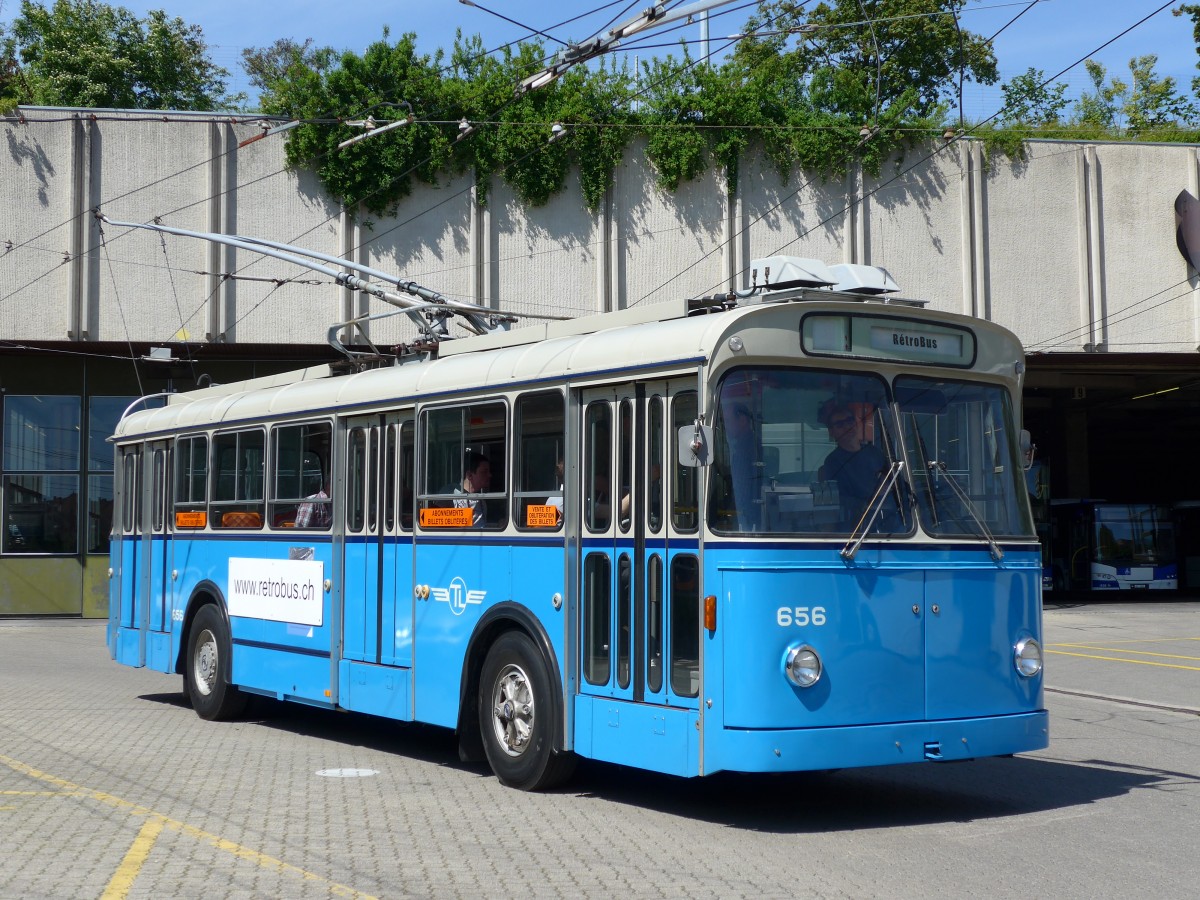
(41, 474)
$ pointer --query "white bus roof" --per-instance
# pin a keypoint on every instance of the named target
(658, 337)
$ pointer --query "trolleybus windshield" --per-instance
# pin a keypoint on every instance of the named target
(802, 451)
(961, 444)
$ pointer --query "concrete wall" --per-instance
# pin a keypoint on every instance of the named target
(1073, 248)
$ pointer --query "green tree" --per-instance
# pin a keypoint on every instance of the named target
(825, 73)
(1099, 109)
(13, 88)
(1145, 104)
(1029, 100)
(87, 53)
(271, 68)
(872, 60)
(385, 82)
(1192, 11)
(805, 83)
(1154, 102)
(506, 135)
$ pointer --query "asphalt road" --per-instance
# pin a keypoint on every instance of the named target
(111, 786)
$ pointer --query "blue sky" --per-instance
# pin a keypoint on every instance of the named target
(1050, 36)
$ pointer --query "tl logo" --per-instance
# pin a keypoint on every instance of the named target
(457, 596)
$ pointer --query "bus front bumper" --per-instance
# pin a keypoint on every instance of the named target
(795, 750)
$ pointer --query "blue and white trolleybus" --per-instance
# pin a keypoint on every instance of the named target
(774, 532)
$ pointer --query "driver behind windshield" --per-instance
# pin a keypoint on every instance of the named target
(855, 465)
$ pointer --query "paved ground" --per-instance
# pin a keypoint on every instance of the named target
(110, 786)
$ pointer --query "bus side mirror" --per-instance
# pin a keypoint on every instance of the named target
(1028, 450)
(695, 445)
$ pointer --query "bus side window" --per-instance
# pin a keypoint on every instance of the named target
(597, 486)
(685, 485)
(538, 426)
(191, 482)
(654, 480)
(597, 582)
(300, 489)
(158, 490)
(408, 475)
(356, 481)
(685, 625)
(237, 480)
(458, 441)
(131, 490)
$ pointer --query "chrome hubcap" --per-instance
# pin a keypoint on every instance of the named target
(204, 668)
(512, 710)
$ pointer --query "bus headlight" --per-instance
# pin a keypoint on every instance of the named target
(803, 666)
(1027, 657)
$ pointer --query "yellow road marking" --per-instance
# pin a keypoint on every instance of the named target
(38, 794)
(213, 840)
(1136, 662)
(118, 888)
(1171, 640)
(1123, 650)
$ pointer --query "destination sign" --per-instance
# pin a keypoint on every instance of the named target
(886, 337)
(916, 343)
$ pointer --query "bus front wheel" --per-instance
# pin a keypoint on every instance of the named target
(206, 672)
(516, 716)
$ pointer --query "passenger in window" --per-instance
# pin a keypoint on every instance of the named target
(477, 480)
(856, 466)
(316, 510)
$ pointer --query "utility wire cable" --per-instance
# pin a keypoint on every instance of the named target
(121, 309)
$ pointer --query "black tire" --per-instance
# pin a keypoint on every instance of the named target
(518, 716)
(206, 668)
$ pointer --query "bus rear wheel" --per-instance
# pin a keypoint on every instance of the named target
(206, 670)
(517, 716)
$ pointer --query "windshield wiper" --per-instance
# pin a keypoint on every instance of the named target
(936, 466)
(902, 508)
(872, 511)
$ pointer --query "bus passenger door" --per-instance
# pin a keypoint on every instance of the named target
(639, 574)
(377, 595)
(145, 585)
(160, 583)
(128, 647)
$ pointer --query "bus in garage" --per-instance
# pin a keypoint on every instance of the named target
(1099, 546)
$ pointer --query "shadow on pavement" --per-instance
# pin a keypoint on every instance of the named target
(793, 803)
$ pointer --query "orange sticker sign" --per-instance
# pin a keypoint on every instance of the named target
(196, 519)
(454, 517)
(541, 516)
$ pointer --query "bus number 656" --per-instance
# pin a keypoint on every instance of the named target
(800, 615)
